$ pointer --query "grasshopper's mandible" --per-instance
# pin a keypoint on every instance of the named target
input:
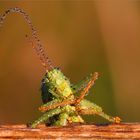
(63, 102)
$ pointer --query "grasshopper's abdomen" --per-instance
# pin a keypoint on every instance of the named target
(57, 85)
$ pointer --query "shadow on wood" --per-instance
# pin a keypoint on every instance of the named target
(78, 132)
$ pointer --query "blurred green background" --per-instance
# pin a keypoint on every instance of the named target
(80, 37)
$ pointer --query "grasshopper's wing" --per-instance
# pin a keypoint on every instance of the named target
(82, 84)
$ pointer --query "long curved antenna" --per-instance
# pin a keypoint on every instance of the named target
(36, 43)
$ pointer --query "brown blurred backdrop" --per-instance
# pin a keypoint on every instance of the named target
(80, 37)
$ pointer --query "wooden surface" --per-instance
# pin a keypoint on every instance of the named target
(76, 132)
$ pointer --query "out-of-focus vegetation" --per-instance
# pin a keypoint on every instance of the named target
(80, 37)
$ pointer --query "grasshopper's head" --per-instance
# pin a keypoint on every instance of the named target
(58, 84)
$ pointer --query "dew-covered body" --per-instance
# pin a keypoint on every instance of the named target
(56, 87)
(63, 102)
(64, 106)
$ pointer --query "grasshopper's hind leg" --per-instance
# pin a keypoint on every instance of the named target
(86, 107)
(45, 117)
(102, 114)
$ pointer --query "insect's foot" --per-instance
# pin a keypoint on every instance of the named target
(117, 120)
(28, 125)
(31, 125)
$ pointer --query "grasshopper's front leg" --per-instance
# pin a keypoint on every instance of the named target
(49, 105)
(84, 83)
(93, 78)
(45, 117)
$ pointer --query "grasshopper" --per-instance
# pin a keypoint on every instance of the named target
(63, 102)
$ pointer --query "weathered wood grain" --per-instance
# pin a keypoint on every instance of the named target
(79, 132)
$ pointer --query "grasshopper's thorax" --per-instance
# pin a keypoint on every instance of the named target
(58, 84)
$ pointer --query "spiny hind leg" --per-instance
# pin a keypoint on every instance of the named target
(45, 117)
(102, 114)
(86, 107)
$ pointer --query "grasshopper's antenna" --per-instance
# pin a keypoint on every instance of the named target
(36, 43)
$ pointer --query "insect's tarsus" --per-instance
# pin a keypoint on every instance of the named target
(36, 43)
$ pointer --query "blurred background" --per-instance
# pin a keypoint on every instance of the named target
(80, 37)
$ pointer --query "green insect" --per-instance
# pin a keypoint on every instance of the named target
(63, 102)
